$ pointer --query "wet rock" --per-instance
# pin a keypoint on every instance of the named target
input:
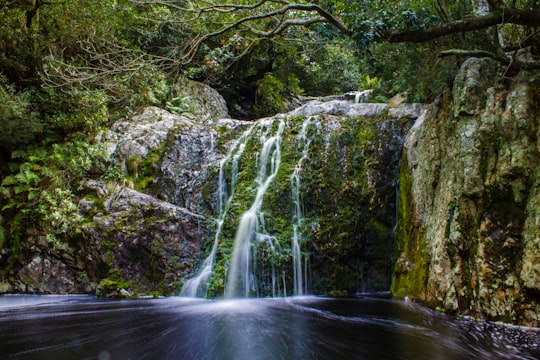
(45, 275)
(346, 108)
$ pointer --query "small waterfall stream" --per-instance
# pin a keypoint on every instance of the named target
(299, 266)
(197, 286)
(241, 280)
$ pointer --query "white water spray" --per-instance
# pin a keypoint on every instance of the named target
(299, 281)
(198, 285)
(241, 280)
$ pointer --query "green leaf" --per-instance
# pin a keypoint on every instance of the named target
(9, 180)
(20, 189)
(33, 193)
(19, 154)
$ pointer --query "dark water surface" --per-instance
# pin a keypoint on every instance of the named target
(45, 327)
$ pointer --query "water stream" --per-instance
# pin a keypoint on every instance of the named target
(300, 262)
(253, 244)
(241, 280)
(198, 285)
(246, 329)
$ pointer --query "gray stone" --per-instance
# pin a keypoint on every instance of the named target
(203, 104)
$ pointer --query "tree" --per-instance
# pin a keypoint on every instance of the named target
(365, 22)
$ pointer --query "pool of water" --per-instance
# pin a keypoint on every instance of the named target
(83, 327)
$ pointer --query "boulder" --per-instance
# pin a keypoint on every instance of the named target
(149, 244)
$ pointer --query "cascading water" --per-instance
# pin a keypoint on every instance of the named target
(197, 286)
(303, 142)
(241, 280)
(327, 187)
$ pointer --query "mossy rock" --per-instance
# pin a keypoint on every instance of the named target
(114, 288)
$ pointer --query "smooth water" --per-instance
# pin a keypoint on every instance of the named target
(241, 280)
(197, 286)
(281, 328)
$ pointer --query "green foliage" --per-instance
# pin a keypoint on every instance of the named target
(44, 115)
(270, 95)
(113, 174)
(81, 110)
(113, 285)
(369, 83)
(409, 68)
(14, 240)
(19, 123)
(2, 232)
(59, 214)
(330, 69)
(41, 185)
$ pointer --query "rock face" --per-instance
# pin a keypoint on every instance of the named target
(43, 269)
(204, 104)
(148, 239)
(148, 244)
(190, 160)
(142, 134)
(469, 217)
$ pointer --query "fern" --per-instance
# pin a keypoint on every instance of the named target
(369, 83)
(38, 190)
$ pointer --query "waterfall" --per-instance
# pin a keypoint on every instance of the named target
(241, 279)
(241, 275)
(197, 286)
(303, 142)
(298, 200)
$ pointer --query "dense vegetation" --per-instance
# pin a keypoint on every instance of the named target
(68, 69)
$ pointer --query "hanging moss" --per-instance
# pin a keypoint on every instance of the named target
(412, 258)
(351, 233)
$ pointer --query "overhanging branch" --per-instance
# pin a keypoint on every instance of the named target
(515, 61)
(325, 16)
(524, 17)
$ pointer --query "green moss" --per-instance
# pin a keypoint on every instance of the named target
(12, 240)
(412, 258)
(141, 171)
(350, 232)
(97, 206)
(114, 286)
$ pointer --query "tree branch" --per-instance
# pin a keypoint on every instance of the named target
(325, 17)
(523, 64)
(503, 16)
(282, 26)
(228, 8)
